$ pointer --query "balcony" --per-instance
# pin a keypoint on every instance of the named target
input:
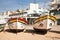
(52, 3)
(53, 8)
(58, 1)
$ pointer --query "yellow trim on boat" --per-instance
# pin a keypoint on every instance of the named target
(21, 21)
(13, 21)
(53, 18)
(16, 21)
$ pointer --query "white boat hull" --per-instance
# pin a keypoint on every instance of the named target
(44, 23)
(16, 23)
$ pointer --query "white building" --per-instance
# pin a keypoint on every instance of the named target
(54, 4)
(34, 9)
(55, 8)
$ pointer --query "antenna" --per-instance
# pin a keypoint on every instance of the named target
(44, 5)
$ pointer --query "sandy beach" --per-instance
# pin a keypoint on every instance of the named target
(29, 35)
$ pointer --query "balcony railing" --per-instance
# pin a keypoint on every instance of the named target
(51, 3)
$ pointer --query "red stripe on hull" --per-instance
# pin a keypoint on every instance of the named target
(19, 19)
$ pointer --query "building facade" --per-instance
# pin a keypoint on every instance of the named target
(55, 8)
(54, 4)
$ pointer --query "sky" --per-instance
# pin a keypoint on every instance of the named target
(6, 5)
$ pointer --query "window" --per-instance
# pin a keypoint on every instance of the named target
(58, 21)
(30, 20)
(56, 12)
(34, 11)
(58, 6)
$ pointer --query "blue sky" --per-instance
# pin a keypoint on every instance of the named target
(19, 4)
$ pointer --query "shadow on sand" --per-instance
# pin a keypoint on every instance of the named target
(29, 31)
(13, 31)
(58, 32)
(35, 32)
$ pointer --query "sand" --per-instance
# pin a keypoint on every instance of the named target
(29, 35)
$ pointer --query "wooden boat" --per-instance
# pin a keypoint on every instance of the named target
(44, 23)
(17, 23)
(2, 23)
